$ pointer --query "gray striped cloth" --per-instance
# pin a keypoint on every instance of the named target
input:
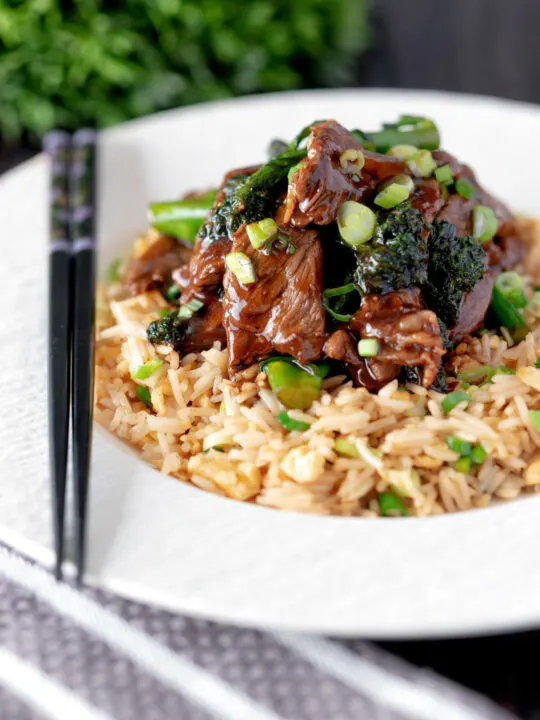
(67, 654)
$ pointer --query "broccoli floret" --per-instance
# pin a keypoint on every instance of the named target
(218, 223)
(397, 256)
(456, 264)
(168, 330)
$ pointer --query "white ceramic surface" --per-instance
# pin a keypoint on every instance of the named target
(161, 541)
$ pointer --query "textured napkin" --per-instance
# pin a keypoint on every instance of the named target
(67, 654)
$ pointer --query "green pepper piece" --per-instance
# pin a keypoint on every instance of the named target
(295, 386)
(181, 218)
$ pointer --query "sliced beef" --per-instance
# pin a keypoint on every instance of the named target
(427, 198)
(154, 268)
(474, 306)
(506, 252)
(282, 311)
(204, 328)
(408, 334)
(343, 346)
(207, 264)
(321, 185)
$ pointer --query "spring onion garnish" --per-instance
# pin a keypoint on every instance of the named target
(410, 130)
(356, 223)
(422, 163)
(368, 347)
(187, 311)
(262, 232)
(478, 455)
(172, 292)
(463, 465)
(388, 502)
(507, 314)
(338, 292)
(403, 152)
(241, 266)
(143, 372)
(143, 394)
(164, 312)
(484, 223)
(396, 192)
(453, 399)
(352, 161)
(113, 271)
(289, 424)
(477, 375)
(444, 175)
(465, 188)
(461, 447)
(503, 370)
(533, 306)
(537, 363)
(508, 281)
(347, 448)
(534, 417)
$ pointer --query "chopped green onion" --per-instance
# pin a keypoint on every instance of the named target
(453, 399)
(338, 292)
(388, 502)
(368, 347)
(534, 417)
(503, 370)
(113, 272)
(289, 424)
(476, 375)
(172, 292)
(222, 407)
(537, 363)
(506, 313)
(444, 175)
(463, 465)
(484, 223)
(462, 447)
(517, 298)
(465, 188)
(403, 152)
(478, 455)
(164, 312)
(356, 223)
(345, 447)
(262, 232)
(508, 281)
(393, 194)
(187, 311)
(143, 372)
(422, 163)
(352, 161)
(536, 288)
(533, 306)
(241, 266)
(143, 394)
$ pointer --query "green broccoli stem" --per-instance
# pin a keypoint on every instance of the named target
(426, 138)
(181, 218)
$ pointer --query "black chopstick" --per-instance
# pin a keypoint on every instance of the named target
(82, 202)
(57, 145)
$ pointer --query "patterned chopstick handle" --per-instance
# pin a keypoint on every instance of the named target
(57, 145)
(82, 188)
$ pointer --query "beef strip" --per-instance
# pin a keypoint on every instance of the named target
(282, 311)
(204, 328)
(427, 198)
(207, 264)
(320, 185)
(474, 306)
(154, 268)
(341, 345)
(408, 334)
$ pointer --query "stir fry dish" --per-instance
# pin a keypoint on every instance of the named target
(349, 265)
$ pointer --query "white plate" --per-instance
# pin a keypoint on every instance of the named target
(155, 539)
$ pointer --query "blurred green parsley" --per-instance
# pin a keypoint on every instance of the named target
(68, 64)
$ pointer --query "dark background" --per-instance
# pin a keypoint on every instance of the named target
(475, 46)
